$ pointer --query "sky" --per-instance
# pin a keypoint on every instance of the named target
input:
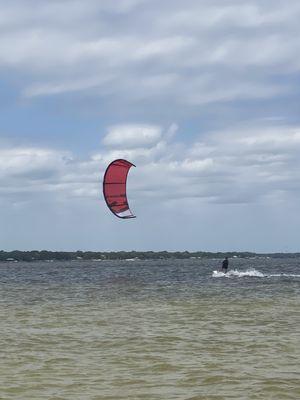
(203, 96)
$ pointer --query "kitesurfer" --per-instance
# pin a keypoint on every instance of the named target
(225, 265)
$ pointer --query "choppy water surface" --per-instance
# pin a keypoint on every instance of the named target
(150, 330)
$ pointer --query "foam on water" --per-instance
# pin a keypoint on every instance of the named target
(249, 273)
(240, 274)
(285, 275)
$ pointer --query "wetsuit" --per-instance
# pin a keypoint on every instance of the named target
(225, 265)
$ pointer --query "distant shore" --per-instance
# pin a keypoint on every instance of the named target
(45, 255)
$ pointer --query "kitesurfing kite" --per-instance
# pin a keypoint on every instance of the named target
(114, 188)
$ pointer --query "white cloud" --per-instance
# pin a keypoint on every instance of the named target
(163, 47)
(20, 161)
(132, 136)
(66, 86)
(202, 15)
(208, 64)
(245, 166)
(198, 53)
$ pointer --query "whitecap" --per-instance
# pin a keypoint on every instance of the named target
(284, 275)
(240, 274)
(250, 273)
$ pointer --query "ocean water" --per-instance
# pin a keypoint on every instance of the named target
(150, 330)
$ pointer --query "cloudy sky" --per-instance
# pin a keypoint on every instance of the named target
(201, 95)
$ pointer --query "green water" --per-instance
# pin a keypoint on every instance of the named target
(120, 337)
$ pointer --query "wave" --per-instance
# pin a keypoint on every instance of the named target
(287, 275)
(250, 273)
(240, 274)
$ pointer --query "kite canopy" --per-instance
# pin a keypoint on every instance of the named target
(114, 188)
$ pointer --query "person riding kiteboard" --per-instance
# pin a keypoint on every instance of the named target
(225, 265)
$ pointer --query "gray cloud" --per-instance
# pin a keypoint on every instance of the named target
(248, 166)
(188, 55)
(226, 71)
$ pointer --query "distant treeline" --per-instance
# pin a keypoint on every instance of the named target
(44, 255)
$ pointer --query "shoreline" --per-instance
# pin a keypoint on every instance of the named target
(50, 256)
